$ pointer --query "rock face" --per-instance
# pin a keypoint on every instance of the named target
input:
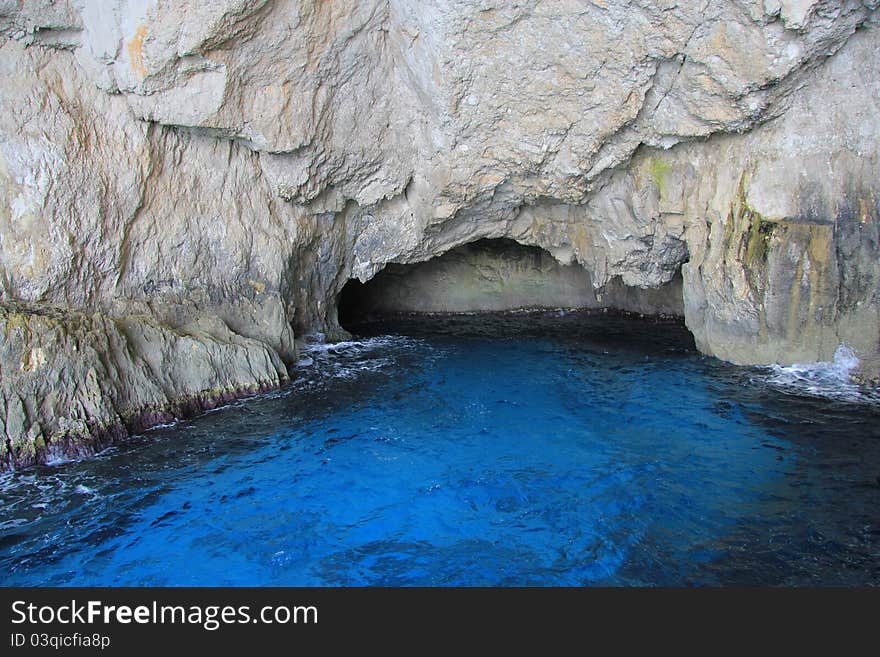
(93, 378)
(204, 177)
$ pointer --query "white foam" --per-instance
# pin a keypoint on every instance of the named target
(822, 379)
(332, 346)
(54, 459)
(161, 425)
(356, 346)
(350, 358)
(351, 370)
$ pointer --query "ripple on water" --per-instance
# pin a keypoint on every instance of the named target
(531, 449)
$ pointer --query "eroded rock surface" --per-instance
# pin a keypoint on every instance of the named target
(496, 275)
(73, 382)
(231, 164)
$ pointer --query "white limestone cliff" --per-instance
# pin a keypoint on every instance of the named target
(205, 176)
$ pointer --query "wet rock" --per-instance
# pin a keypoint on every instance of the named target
(201, 165)
(73, 382)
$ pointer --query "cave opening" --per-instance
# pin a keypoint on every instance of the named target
(494, 275)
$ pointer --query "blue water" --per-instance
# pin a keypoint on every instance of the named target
(515, 450)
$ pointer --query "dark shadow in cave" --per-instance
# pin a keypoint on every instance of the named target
(352, 307)
(493, 275)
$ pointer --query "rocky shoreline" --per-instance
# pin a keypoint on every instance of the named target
(72, 384)
(186, 188)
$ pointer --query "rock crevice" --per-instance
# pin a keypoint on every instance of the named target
(205, 177)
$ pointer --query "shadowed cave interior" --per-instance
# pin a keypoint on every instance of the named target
(493, 275)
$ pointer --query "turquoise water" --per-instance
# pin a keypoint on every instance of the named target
(505, 450)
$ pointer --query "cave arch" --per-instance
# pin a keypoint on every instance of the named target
(491, 275)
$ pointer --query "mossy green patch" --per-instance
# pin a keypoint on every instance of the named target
(760, 234)
(659, 169)
(748, 238)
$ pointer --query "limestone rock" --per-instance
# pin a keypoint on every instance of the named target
(497, 275)
(73, 382)
(233, 163)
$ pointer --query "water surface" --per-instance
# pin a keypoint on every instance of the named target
(506, 450)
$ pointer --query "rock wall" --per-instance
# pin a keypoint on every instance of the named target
(230, 164)
(93, 378)
(496, 275)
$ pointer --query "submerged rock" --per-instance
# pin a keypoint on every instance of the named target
(212, 174)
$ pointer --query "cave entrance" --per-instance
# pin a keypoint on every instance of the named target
(492, 275)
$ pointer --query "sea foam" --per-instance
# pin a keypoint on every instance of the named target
(831, 379)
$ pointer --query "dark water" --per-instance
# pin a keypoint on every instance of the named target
(548, 450)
